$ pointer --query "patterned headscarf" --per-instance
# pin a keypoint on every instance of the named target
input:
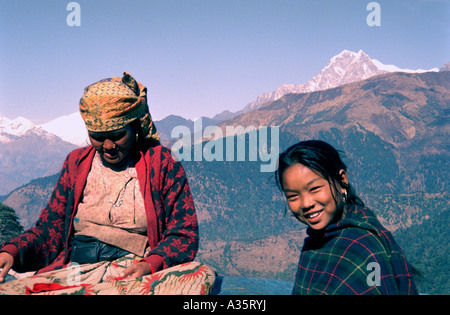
(113, 103)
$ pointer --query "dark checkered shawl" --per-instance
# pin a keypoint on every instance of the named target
(340, 259)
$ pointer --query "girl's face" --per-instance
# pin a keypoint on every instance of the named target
(310, 196)
(113, 146)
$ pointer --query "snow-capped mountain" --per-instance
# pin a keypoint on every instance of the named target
(16, 126)
(344, 68)
(70, 128)
(392, 68)
(10, 129)
(27, 151)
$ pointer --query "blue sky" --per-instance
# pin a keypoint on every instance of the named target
(199, 57)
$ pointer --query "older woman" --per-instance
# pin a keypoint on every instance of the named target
(124, 196)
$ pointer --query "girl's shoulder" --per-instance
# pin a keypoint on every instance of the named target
(360, 232)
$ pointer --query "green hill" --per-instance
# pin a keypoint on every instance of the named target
(9, 223)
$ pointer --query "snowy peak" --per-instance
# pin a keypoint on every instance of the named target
(392, 68)
(348, 57)
(346, 67)
(62, 128)
(10, 129)
(15, 127)
(349, 67)
(27, 152)
(70, 128)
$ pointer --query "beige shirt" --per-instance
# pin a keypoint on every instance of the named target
(123, 226)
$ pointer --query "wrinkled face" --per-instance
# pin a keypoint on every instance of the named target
(309, 196)
(113, 146)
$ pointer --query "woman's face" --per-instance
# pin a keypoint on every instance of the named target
(309, 196)
(114, 146)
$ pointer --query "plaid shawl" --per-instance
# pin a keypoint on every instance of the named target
(356, 255)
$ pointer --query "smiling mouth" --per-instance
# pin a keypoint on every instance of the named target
(313, 215)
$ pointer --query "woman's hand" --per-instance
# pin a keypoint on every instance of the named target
(136, 270)
(6, 262)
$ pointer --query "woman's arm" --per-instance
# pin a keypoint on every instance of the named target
(179, 243)
(41, 244)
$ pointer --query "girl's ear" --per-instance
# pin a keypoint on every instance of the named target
(343, 179)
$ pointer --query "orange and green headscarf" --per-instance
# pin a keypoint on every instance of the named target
(113, 103)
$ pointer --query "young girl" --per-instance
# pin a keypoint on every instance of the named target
(347, 250)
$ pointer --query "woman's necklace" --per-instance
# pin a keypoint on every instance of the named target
(119, 200)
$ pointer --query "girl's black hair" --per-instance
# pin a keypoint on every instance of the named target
(323, 159)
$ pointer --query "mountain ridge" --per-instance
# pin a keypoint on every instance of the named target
(346, 67)
(385, 101)
(27, 151)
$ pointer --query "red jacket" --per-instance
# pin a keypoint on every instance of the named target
(172, 227)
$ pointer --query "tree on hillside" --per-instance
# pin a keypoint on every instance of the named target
(9, 223)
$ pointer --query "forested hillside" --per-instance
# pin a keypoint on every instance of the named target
(9, 223)
(427, 247)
